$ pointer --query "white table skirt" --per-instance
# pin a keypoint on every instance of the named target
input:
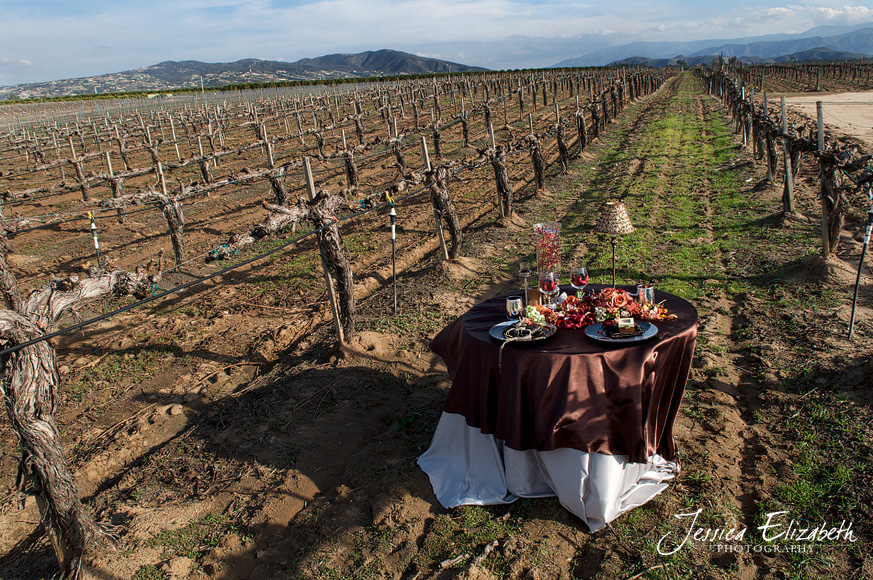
(467, 467)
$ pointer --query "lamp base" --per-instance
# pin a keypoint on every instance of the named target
(614, 242)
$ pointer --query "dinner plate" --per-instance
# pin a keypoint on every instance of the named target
(596, 332)
(497, 331)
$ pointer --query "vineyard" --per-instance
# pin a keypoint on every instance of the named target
(246, 383)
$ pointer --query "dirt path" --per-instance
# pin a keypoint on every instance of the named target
(258, 451)
(849, 113)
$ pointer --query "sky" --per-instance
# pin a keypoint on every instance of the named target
(43, 40)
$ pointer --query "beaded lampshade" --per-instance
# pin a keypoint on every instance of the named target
(614, 219)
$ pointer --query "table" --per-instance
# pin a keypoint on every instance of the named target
(569, 417)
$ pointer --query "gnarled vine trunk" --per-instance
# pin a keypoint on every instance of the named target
(442, 203)
(29, 382)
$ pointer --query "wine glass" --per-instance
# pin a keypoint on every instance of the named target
(514, 307)
(579, 278)
(549, 287)
(524, 273)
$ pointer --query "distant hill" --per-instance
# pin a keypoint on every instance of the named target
(191, 73)
(385, 62)
(819, 54)
(370, 63)
(822, 54)
(857, 39)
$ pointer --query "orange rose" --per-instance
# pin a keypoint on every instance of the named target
(619, 300)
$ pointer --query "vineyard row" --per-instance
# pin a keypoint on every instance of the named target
(844, 169)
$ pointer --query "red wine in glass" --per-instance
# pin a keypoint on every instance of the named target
(548, 287)
(579, 278)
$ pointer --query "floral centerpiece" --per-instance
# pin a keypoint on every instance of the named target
(548, 245)
(604, 306)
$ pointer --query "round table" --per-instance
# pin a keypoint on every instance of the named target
(566, 411)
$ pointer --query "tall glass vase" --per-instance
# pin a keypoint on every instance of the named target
(548, 245)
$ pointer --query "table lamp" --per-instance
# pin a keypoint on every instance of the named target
(614, 220)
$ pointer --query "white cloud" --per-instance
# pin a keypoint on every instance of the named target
(134, 34)
(21, 61)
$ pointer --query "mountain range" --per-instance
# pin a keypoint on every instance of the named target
(845, 42)
(813, 55)
(195, 74)
(822, 43)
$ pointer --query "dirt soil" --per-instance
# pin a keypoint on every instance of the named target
(226, 436)
(848, 113)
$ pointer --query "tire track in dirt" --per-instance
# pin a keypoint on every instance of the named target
(711, 431)
(721, 450)
(716, 431)
(726, 433)
(720, 427)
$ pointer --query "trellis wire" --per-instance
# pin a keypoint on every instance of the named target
(174, 290)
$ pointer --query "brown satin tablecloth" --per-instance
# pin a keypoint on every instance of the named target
(569, 391)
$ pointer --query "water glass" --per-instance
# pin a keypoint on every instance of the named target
(514, 307)
(646, 294)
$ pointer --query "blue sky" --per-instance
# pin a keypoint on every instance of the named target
(44, 40)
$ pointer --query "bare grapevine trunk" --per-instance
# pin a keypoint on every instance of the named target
(321, 213)
(563, 150)
(30, 390)
(359, 129)
(319, 142)
(437, 143)
(352, 179)
(442, 202)
(29, 382)
(595, 121)
(465, 128)
(118, 191)
(205, 171)
(172, 210)
(501, 176)
(8, 283)
(580, 128)
(398, 154)
(832, 205)
(277, 182)
(83, 182)
(539, 164)
(771, 155)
